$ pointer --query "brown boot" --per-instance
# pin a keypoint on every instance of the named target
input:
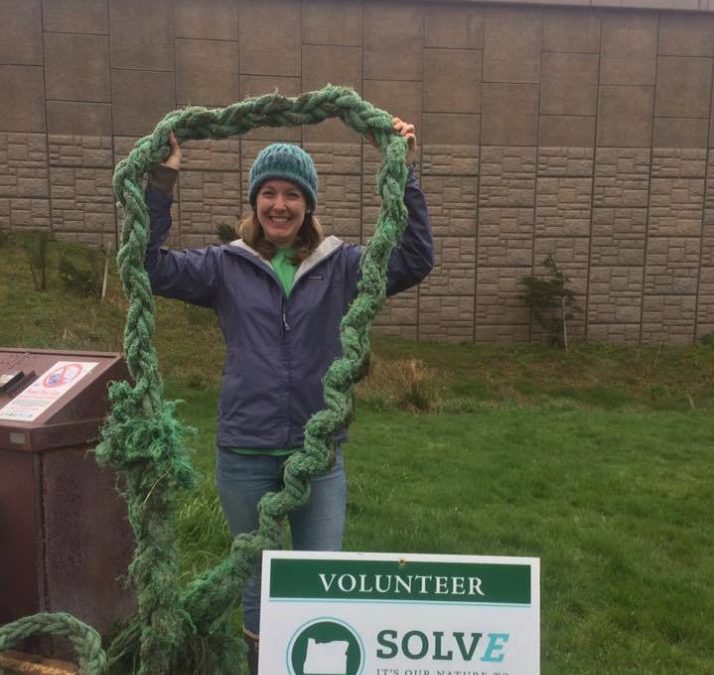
(252, 642)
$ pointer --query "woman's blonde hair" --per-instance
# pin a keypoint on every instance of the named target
(308, 238)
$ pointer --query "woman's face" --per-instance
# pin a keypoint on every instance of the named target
(280, 207)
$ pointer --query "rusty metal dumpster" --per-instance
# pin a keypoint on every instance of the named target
(65, 542)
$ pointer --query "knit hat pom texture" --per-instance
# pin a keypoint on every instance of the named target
(287, 162)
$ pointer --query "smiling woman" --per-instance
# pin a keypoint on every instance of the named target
(281, 209)
(280, 293)
(282, 191)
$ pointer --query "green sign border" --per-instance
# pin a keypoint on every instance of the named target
(501, 583)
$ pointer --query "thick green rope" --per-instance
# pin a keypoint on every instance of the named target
(86, 641)
(186, 632)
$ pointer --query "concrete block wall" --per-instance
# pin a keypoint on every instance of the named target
(573, 129)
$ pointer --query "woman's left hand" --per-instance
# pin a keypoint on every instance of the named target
(173, 160)
(408, 131)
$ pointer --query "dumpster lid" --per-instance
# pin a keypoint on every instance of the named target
(51, 399)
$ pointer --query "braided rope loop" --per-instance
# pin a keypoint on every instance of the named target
(188, 631)
(86, 642)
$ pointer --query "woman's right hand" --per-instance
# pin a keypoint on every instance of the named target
(173, 161)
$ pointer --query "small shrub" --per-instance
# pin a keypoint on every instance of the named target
(707, 339)
(80, 270)
(36, 244)
(226, 233)
(551, 300)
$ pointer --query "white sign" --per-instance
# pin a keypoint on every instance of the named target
(391, 614)
(49, 387)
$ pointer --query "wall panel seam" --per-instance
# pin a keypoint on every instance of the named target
(537, 176)
(586, 309)
(649, 186)
(478, 179)
(44, 109)
(707, 154)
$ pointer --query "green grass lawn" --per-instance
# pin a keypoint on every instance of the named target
(599, 461)
(615, 503)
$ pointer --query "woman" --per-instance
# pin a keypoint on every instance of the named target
(280, 292)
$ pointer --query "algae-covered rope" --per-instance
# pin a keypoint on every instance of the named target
(185, 632)
(86, 641)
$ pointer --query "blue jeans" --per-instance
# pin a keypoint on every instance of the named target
(318, 526)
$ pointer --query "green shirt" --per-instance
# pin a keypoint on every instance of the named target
(285, 268)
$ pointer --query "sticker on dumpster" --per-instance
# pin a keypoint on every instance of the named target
(62, 375)
(45, 390)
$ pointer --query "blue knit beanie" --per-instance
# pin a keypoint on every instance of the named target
(287, 162)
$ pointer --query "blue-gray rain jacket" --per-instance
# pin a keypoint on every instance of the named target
(277, 349)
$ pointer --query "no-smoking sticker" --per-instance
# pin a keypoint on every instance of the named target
(63, 375)
(48, 388)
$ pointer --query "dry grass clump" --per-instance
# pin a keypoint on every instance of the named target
(402, 384)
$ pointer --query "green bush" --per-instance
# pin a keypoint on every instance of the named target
(708, 339)
(80, 270)
(36, 244)
(551, 300)
(226, 233)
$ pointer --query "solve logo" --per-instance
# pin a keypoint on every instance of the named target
(325, 647)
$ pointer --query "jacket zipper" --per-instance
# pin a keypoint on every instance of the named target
(286, 353)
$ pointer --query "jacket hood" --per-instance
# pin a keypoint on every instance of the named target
(326, 248)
